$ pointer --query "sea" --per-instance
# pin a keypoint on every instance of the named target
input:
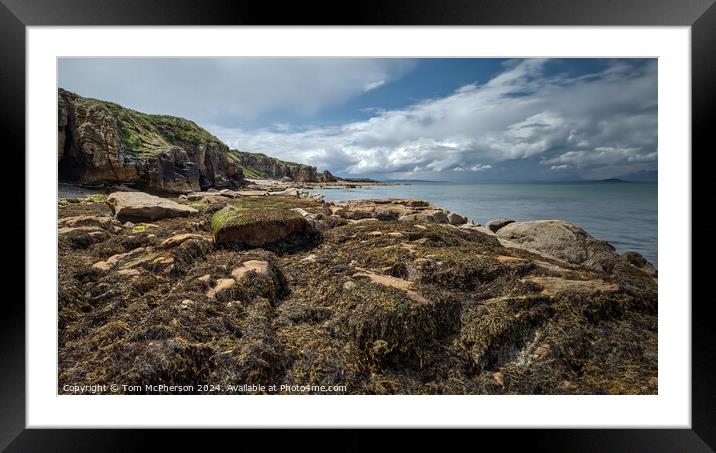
(623, 213)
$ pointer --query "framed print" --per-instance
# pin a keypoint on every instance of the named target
(416, 216)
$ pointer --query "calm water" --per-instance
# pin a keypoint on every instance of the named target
(625, 214)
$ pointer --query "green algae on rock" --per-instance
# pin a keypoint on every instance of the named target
(255, 228)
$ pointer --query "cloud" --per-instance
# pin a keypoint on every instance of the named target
(602, 156)
(476, 167)
(591, 124)
(373, 85)
(228, 91)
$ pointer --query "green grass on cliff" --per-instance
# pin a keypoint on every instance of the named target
(147, 134)
(252, 173)
(143, 134)
(264, 156)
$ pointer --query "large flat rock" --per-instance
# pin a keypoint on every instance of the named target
(561, 240)
(140, 206)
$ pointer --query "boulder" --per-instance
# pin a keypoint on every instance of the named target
(90, 231)
(354, 210)
(426, 216)
(105, 223)
(456, 219)
(560, 240)
(139, 206)
(637, 260)
(257, 266)
(256, 228)
(222, 287)
(405, 202)
(319, 222)
(249, 193)
(301, 211)
(196, 196)
(495, 225)
(391, 211)
(180, 238)
(390, 320)
(393, 282)
(337, 210)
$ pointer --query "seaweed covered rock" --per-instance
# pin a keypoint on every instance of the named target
(99, 222)
(563, 241)
(256, 228)
(498, 330)
(456, 219)
(390, 320)
(139, 206)
(82, 231)
(638, 261)
(380, 306)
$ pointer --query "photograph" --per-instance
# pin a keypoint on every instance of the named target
(450, 216)
(263, 225)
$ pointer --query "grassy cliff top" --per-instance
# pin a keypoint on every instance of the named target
(264, 156)
(147, 134)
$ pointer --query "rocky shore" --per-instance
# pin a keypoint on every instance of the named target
(268, 284)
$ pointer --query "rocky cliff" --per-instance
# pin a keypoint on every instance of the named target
(102, 141)
(259, 166)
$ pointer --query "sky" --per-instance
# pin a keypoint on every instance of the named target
(463, 120)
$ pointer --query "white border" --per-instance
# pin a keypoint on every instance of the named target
(670, 408)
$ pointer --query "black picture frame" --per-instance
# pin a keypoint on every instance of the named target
(16, 15)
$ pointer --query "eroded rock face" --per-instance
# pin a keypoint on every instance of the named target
(561, 240)
(257, 228)
(328, 177)
(101, 141)
(138, 206)
(277, 169)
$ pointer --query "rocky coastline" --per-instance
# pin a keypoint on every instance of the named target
(101, 143)
(184, 262)
(268, 284)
